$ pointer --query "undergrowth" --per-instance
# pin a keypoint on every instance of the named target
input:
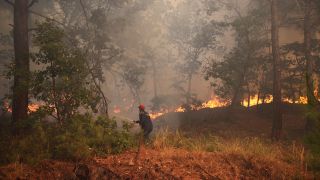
(292, 153)
(81, 137)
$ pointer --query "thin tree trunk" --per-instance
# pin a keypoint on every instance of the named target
(258, 99)
(248, 89)
(154, 73)
(21, 71)
(189, 89)
(277, 112)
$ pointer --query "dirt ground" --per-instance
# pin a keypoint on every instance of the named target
(152, 164)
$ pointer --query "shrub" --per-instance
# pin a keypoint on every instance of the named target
(312, 139)
(79, 138)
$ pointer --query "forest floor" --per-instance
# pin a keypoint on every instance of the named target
(165, 164)
(172, 156)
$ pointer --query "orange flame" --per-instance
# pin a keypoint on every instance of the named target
(33, 107)
(213, 103)
(116, 110)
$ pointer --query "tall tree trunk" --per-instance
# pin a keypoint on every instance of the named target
(310, 63)
(21, 70)
(312, 100)
(277, 112)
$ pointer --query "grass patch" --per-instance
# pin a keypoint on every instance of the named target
(250, 147)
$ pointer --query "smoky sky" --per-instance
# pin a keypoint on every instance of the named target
(138, 32)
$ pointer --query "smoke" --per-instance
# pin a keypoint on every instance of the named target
(141, 30)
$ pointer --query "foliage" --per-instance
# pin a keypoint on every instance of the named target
(241, 66)
(80, 138)
(133, 76)
(61, 81)
(312, 138)
(192, 35)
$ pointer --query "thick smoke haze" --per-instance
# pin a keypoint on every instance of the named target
(142, 32)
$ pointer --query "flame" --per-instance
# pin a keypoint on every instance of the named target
(180, 109)
(116, 110)
(156, 114)
(214, 102)
(254, 101)
(33, 107)
(301, 100)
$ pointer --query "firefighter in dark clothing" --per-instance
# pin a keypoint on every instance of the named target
(145, 122)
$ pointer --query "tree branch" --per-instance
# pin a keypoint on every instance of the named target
(45, 17)
(32, 3)
(9, 2)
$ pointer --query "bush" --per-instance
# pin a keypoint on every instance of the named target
(312, 139)
(81, 137)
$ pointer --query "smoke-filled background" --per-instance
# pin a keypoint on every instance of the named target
(231, 89)
(160, 53)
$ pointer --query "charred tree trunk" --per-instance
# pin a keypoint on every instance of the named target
(277, 111)
(21, 63)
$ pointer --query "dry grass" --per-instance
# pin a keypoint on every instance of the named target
(177, 156)
(292, 153)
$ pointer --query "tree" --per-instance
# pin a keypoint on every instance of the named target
(309, 30)
(21, 62)
(192, 36)
(277, 112)
(62, 81)
(238, 70)
(133, 76)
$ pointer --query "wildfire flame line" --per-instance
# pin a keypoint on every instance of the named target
(217, 102)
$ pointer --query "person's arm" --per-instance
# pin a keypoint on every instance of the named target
(140, 117)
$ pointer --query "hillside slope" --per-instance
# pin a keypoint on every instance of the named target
(242, 122)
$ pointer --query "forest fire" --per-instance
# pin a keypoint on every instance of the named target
(213, 103)
(31, 107)
(217, 102)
